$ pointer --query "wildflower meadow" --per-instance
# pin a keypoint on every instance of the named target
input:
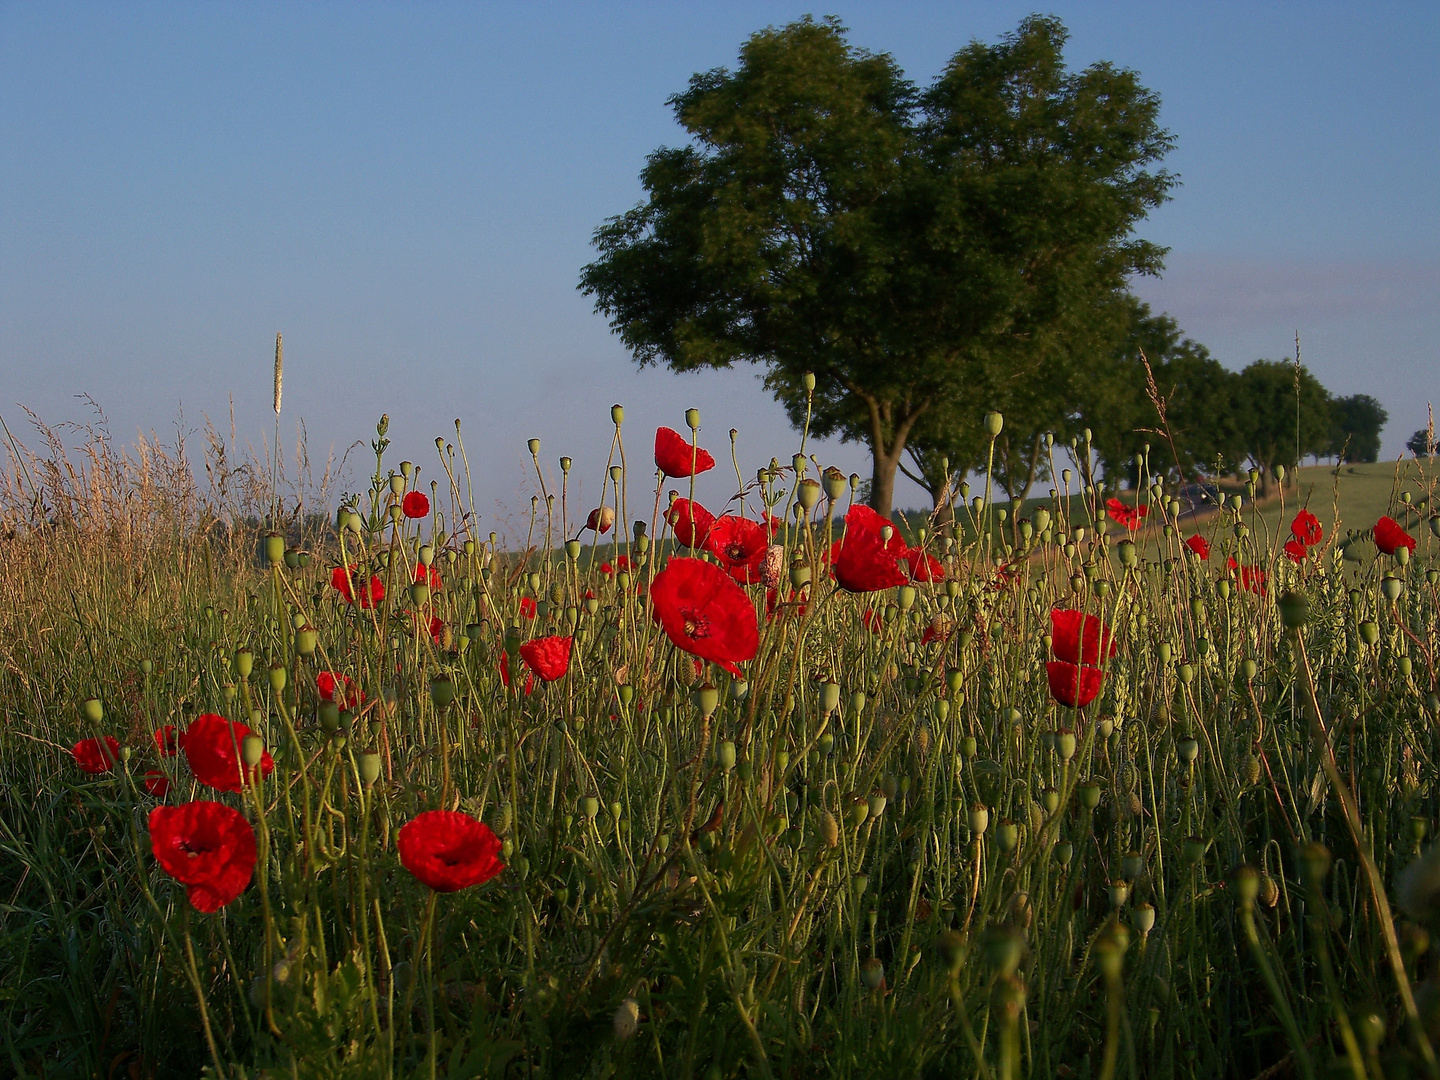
(1094, 786)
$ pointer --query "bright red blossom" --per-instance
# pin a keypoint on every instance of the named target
(1073, 685)
(96, 756)
(924, 566)
(1199, 545)
(213, 747)
(167, 741)
(1390, 537)
(428, 575)
(1132, 517)
(329, 682)
(448, 850)
(740, 544)
(416, 504)
(157, 783)
(691, 521)
(705, 613)
(863, 560)
(548, 657)
(1077, 638)
(345, 580)
(1251, 578)
(1306, 529)
(1295, 551)
(207, 847)
(504, 665)
(528, 609)
(675, 457)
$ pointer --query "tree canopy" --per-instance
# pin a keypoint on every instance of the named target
(1359, 419)
(928, 255)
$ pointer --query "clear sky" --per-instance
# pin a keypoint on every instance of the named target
(407, 192)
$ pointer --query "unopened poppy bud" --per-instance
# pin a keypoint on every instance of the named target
(994, 424)
(1127, 553)
(590, 807)
(252, 750)
(829, 829)
(572, 549)
(93, 710)
(1369, 632)
(442, 691)
(707, 699)
(1391, 586)
(808, 381)
(427, 554)
(274, 548)
(369, 768)
(905, 597)
(978, 819)
(808, 494)
(872, 973)
(692, 419)
(725, 755)
(244, 662)
(626, 1020)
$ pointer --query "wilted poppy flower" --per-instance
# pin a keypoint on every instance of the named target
(416, 504)
(705, 613)
(1390, 537)
(157, 783)
(1295, 551)
(548, 657)
(740, 544)
(329, 682)
(167, 741)
(1004, 576)
(601, 520)
(1306, 529)
(207, 847)
(96, 755)
(1251, 578)
(691, 521)
(1073, 685)
(863, 561)
(1199, 545)
(504, 666)
(924, 566)
(346, 580)
(448, 850)
(213, 745)
(1132, 517)
(1077, 638)
(675, 457)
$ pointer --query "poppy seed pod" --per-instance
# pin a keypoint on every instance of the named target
(92, 710)
(442, 691)
(1369, 632)
(244, 662)
(978, 819)
(725, 755)
(808, 381)
(1089, 794)
(808, 494)
(994, 424)
(274, 548)
(252, 750)
(533, 445)
(369, 768)
(1391, 587)
(1063, 851)
(1315, 862)
(707, 698)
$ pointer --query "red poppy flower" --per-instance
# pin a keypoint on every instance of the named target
(157, 783)
(328, 682)
(1077, 638)
(437, 628)
(1199, 545)
(1306, 529)
(212, 746)
(622, 564)
(416, 504)
(675, 457)
(344, 580)
(428, 575)
(207, 847)
(448, 850)
(601, 520)
(705, 613)
(773, 525)
(528, 609)
(548, 657)
(167, 741)
(924, 566)
(939, 629)
(1251, 578)
(1132, 517)
(863, 560)
(691, 521)
(1295, 550)
(1390, 537)
(773, 603)
(1073, 685)
(872, 620)
(741, 545)
(505, 673)
(96, 755)
(1004, 576)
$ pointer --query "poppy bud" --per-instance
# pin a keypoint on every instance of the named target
(244, 662)
(93, 710)
(994, 424)
(808, 381)
(872, 973)
(1391, 587)
(1127, 553)
(369, 768)
(707, 698)
(1369, 632)
(978, 819)
(442, 691)
(252, 750)
(725, 755)
(1065, 744)
(278, 676)
(274, 548)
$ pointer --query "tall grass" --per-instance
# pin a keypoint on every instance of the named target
(872, 856)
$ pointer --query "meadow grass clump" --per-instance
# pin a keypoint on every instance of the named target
(792, 791)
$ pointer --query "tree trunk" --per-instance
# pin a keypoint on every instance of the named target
(882, 481)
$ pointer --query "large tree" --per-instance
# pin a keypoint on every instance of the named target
(1359, 419)
(1288, 415)
(925, 255)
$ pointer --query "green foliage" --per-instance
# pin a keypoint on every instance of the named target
(927, 255)
(1422, 443)
(1359, 419)
(1287, 415)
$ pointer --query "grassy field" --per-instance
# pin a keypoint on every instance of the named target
(788, 829)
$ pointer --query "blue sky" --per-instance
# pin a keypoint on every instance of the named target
(407, 192)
